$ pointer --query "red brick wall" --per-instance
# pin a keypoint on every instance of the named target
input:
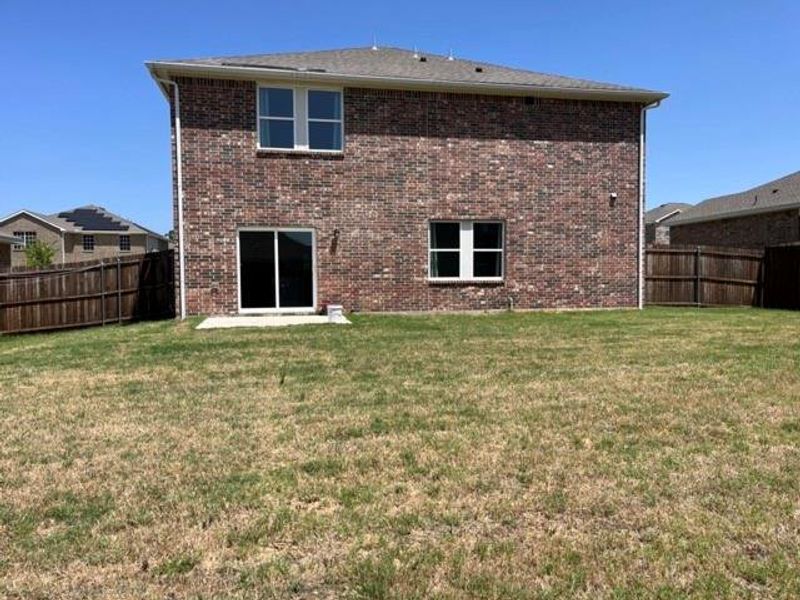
(754, 231)
(546, 169)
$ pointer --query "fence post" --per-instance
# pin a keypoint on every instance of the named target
(119, 291)
(697, 287)
(102, 293)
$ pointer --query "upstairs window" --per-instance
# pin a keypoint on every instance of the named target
(300, 119)
(124, 243)
(324, 120)
(276, 117)
(27, 237)
(466, 250)
(88, 243)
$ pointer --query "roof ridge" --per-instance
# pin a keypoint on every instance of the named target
(261, 54)
(756, 198)
(750, 189)
(387, 63)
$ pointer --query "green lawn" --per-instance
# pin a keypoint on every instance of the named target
(602, 454)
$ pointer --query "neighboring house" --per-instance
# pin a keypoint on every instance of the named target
(765, 215)
(392, 180)
(83, 233)
(6, 241)
(656, 222)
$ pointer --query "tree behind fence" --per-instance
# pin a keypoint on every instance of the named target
(137, 287)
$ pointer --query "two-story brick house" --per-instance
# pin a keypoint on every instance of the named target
(392, 180)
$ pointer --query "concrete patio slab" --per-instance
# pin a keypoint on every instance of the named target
(269, 321)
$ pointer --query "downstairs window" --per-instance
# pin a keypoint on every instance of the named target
(466, 250)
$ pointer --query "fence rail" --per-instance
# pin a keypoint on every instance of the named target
(138, 287)
(703, 276)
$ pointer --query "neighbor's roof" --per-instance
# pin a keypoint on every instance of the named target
(664, 212)
(397, 67)
(87, 219)
(780, 194)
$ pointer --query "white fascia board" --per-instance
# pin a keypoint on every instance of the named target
(168, 69)
(32, 216)
(668, 215)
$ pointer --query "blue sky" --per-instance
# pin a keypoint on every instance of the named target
(81, 121)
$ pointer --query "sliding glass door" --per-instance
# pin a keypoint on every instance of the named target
(276, 270)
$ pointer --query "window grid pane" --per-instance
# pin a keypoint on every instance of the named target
(445, 236)
(276, 102)
(445, 263)
(325, 105)
(125, 243)
(324, 135)
(276, 133)
(88, 243)
(487, 264)
(488, 236)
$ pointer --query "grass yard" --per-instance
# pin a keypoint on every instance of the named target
(607, 454)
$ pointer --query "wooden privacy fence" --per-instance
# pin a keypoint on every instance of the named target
(138, 287)
(703, 276)
(782, 277)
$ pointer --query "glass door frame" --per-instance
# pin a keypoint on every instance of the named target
(277, 309)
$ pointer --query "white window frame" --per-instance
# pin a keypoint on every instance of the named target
(301, 119)
(277, 309)
(83, 242)
(127, 237)
(466, 250)
(27, 237)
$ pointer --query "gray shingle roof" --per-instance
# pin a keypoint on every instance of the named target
(402, 64)
(89, 218)
(660, 213)
(782, 193)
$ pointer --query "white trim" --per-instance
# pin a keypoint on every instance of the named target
(668, 215)
(277, 309)
(464, 280)
(642, 142)
(300, 118)
(179, 177)
(34, 216)
(257, 73)
(466, 251)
